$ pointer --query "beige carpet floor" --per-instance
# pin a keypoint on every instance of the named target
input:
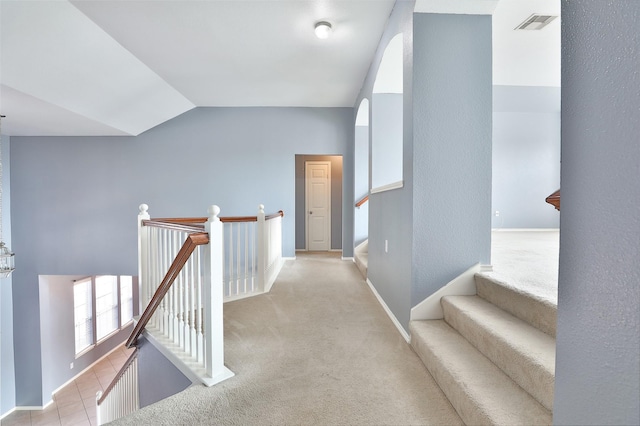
(317, 350)
(527, 260)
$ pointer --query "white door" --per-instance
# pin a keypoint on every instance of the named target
(318, 205)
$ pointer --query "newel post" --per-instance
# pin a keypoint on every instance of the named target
(143, 256)
(262, 249)
(213, 298)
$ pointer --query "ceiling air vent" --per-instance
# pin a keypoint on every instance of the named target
(535, 22)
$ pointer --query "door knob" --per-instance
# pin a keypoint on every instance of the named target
(310, 212)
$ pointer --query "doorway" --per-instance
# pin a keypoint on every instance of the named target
(335, 205)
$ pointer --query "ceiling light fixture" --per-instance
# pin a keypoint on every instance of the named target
(323, 29)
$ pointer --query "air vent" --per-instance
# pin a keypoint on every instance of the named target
(535, 22)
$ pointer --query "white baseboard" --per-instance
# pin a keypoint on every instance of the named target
(462, 285)
(393, 318)
(348, 258)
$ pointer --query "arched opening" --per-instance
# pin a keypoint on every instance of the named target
(387, 120)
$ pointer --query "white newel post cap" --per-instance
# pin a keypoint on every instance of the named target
(261, 208)
(213, 211)
(143, 208)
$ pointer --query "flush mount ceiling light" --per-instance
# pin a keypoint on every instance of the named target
(535, 22)
(323, 29)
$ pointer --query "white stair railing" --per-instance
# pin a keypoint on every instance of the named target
(187, 268)
(122, 397)
(253, 253)
(187, 300)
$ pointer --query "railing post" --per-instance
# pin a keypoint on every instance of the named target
(213, 298)
(143, 267)
(261, 249)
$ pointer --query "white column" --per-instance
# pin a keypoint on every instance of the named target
(213, 298)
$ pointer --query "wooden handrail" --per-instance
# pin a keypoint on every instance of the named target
(362, 201)
(196, 224)
(273, 216)
(190, 244)
(176, 226)
(554, 199)
(119, 375)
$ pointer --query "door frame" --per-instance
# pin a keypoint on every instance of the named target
(306, 202)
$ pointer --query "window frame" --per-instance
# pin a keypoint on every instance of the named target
(117, 309)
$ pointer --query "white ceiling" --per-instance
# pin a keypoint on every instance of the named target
(118, 67)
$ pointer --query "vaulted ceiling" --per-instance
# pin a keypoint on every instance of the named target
(115, 67)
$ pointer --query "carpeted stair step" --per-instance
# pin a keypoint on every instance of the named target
(481, 393)
(540, 313)
(361, 257)
(524, 353)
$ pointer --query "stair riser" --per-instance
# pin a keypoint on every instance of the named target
(540, 314)
(532, 368)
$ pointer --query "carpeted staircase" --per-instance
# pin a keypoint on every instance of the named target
(361, 257)
(493, 354)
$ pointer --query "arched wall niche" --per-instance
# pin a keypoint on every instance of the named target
(387, 120)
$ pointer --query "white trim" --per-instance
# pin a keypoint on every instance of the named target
(32, 407)
(291, 258)
(393, 318)
(388, 187)
(349, 258)
(191, 372)
(2, 416)
(462, 285)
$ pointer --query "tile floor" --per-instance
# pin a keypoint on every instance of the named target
(75, 404)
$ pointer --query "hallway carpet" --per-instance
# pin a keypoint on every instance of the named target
(318, 349)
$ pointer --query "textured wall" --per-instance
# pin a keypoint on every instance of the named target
(390, 211)
(452, 122)
(386, 139)
(76, 198)
(598, 341)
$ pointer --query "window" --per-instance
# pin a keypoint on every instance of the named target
(126, 299)
(103, 304)
(82, 314)
(106, 305)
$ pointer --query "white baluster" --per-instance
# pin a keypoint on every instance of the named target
(261, 249)
(246, 258)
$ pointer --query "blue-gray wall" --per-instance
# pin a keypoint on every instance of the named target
(158, 377)
(386, 138)
(452, 120)
(7, 365)
(76, 198)
(526, 156)
(390, 212)
(598, 339)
